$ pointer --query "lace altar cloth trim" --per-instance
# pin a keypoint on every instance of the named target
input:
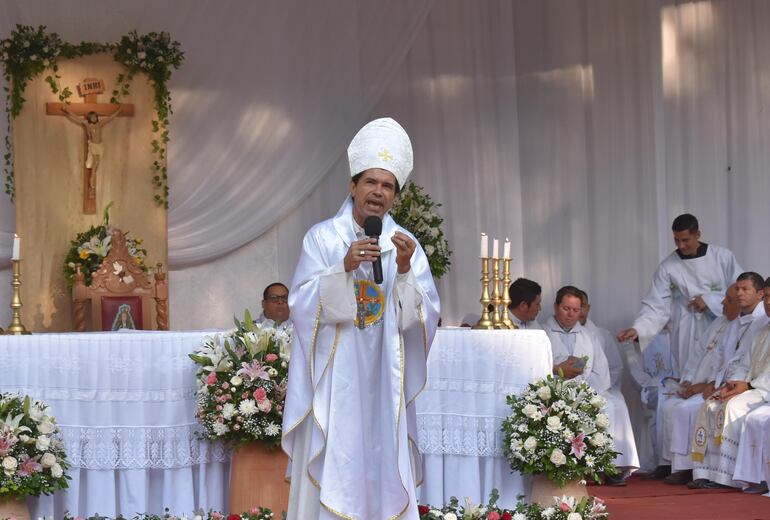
(460, 435)
(139, 447)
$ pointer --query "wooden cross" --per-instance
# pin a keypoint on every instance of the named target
(90, 110)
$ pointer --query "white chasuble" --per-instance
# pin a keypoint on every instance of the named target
(358, 361)
(676, 282)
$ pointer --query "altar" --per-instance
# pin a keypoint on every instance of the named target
(125, 404)
(459, 413)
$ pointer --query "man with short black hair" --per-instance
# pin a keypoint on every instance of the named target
(525, 303)
(275, 305)
(687, 290)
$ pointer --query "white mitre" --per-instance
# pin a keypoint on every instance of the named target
(382, 143)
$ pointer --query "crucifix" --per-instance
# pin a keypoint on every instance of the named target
(86, 115)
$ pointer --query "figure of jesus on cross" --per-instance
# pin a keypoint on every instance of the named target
(91, 116)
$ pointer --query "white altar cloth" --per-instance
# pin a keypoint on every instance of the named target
(125, 403)
(459, 413)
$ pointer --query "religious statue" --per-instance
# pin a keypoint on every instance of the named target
(123, 318)
(93, 127)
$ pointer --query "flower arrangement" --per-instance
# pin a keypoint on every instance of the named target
(242, 382)
(32, 458)
(29, 52)
(415, 211)
(563, 508)
(90, 247)
(557, 427)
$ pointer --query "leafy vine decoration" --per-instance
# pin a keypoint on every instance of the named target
(28, 52)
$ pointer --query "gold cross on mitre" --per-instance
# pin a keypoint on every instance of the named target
(87, 114)
(385, 155)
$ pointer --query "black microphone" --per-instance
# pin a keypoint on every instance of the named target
(373, 228)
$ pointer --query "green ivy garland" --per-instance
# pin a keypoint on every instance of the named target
(29, 52)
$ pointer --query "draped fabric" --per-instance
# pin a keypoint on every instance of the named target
(578, 129)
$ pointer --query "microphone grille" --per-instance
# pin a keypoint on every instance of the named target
(373, 226)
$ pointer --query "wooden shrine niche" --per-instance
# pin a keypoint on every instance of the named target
(121, 294)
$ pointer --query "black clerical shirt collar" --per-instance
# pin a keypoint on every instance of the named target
(702, 248)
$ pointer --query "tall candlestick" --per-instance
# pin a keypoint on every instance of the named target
(507, 249)
(15, 254)
(495, 248)
(484, 246)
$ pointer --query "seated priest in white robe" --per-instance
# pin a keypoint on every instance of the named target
(577, 354)
(720, 418)
(752, 465)
(687, 290)
(525, 305)
(682, 406)
(360, 347)
(620, 420)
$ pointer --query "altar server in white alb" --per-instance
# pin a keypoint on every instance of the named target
(360, 347)
(577, 353)
(687, 289)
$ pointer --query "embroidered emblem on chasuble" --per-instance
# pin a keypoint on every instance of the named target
(370, 302)
(700, 436)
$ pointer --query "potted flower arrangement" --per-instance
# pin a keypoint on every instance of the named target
(32, 458)
(415, 211)
(90, 247)
(557, 431)
(558, 508)
(242, 378)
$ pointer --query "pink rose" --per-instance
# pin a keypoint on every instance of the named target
(260, 394)
(264, 406)
(494, 515)
(254, 510)
(211, 379)
(270, 358)
(225, 385)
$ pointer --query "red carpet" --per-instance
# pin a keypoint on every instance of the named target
(654, 500)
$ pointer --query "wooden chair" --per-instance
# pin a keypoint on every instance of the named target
(121, 294)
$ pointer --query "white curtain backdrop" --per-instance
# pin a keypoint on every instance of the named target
(578, 129)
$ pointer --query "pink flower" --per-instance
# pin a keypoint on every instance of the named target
(253, 371)
(264, 406)
(211, 379)
(225, 385)
(29, 466)
(216, 516)
(494, 515)
(6, 443)
(578, 445)
(270, 358)
(254, 510)
(565, 507)
(260, 394)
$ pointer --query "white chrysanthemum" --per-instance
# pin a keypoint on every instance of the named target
(548, 512)
(598, 439)
(228, 410)
(519, 516)
(574, 516)
(220, 428)
(248, 407)
(272, 429)
(590, 460)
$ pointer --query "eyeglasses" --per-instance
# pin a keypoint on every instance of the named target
(275, 298)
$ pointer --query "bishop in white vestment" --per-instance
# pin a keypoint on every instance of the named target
(360, 348)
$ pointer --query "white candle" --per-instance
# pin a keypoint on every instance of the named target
(495, 248)
(484, 246)
(507, 249)
(15, 255)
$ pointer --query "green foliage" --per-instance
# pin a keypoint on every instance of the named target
(414, 210)
(28, 52)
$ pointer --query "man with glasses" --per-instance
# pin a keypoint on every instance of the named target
(275, 305)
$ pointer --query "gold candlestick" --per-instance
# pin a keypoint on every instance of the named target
(484, 322)
(506, 297)
(16, 327)
(496, 293)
